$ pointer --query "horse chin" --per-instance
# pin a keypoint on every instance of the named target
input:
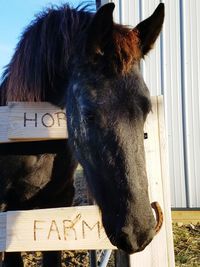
(130, 246)
(130, 243)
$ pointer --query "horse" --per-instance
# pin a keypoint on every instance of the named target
(86, 63)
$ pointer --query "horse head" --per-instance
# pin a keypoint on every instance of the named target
(107, 105)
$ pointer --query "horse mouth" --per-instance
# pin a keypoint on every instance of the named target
(159, 216)
(133, 243)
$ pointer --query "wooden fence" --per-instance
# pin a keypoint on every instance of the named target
(81, 227)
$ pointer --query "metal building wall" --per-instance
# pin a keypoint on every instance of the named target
(172, 68)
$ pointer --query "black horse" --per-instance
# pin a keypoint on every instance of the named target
(90, 65)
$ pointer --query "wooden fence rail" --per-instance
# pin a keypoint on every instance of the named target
(81, 227)
(53, 229)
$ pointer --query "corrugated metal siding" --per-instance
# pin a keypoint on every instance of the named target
(172, 89)
(173, 69)
(190, 11)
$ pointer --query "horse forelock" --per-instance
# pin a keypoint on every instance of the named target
(127, 47)
(39, 65)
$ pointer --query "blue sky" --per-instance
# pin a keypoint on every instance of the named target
(15, 15)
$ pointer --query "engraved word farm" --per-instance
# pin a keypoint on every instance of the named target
(67, 229)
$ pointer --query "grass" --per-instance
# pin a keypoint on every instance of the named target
(187, 245)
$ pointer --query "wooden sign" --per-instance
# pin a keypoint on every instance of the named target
(53, 229)
(36, 121)
(4, 112)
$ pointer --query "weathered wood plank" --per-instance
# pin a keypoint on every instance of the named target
(53, 229)
(156, 254)
(4, 114)
(164, 161)
(36, 120)
(186, 216)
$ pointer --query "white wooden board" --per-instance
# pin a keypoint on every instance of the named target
(160, 252)
(53, 229)
(36, 120)
(4, 113)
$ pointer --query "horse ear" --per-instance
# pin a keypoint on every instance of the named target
(149, 29)
(100, 29)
